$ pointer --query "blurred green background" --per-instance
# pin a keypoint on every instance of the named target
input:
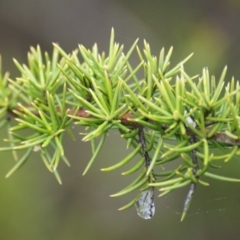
(32, 204)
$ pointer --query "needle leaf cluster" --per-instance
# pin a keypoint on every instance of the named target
(182, 117)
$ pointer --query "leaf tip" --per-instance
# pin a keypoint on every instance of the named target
(183, 216)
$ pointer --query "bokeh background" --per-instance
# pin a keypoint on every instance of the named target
(33, 205)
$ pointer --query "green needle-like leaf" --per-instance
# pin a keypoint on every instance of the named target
(20, 162)
(95, 153)
(211, 175)
(123, 161)
(135, 168)
(130, 204)
(194, 118)
(155, 156)
(130, 189)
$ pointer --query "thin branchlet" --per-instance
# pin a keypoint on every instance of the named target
(194, 156)
(101, 98)
(143, 143)
(145, 203)
(189, 197)
(194, 170)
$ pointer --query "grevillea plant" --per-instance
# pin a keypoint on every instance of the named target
(164, 115)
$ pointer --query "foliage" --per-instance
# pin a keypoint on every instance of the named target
(166, 115)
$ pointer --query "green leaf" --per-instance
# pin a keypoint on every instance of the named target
(130, 189)
(155, 156)
(124, 161)
(218, 177)
(135, 167)
(130, 204)
(20, 162)
(95, 153)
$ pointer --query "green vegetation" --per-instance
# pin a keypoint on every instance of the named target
(164, 115)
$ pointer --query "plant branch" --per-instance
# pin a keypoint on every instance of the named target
(163, 114)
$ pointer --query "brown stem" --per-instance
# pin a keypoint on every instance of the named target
(219, 137)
